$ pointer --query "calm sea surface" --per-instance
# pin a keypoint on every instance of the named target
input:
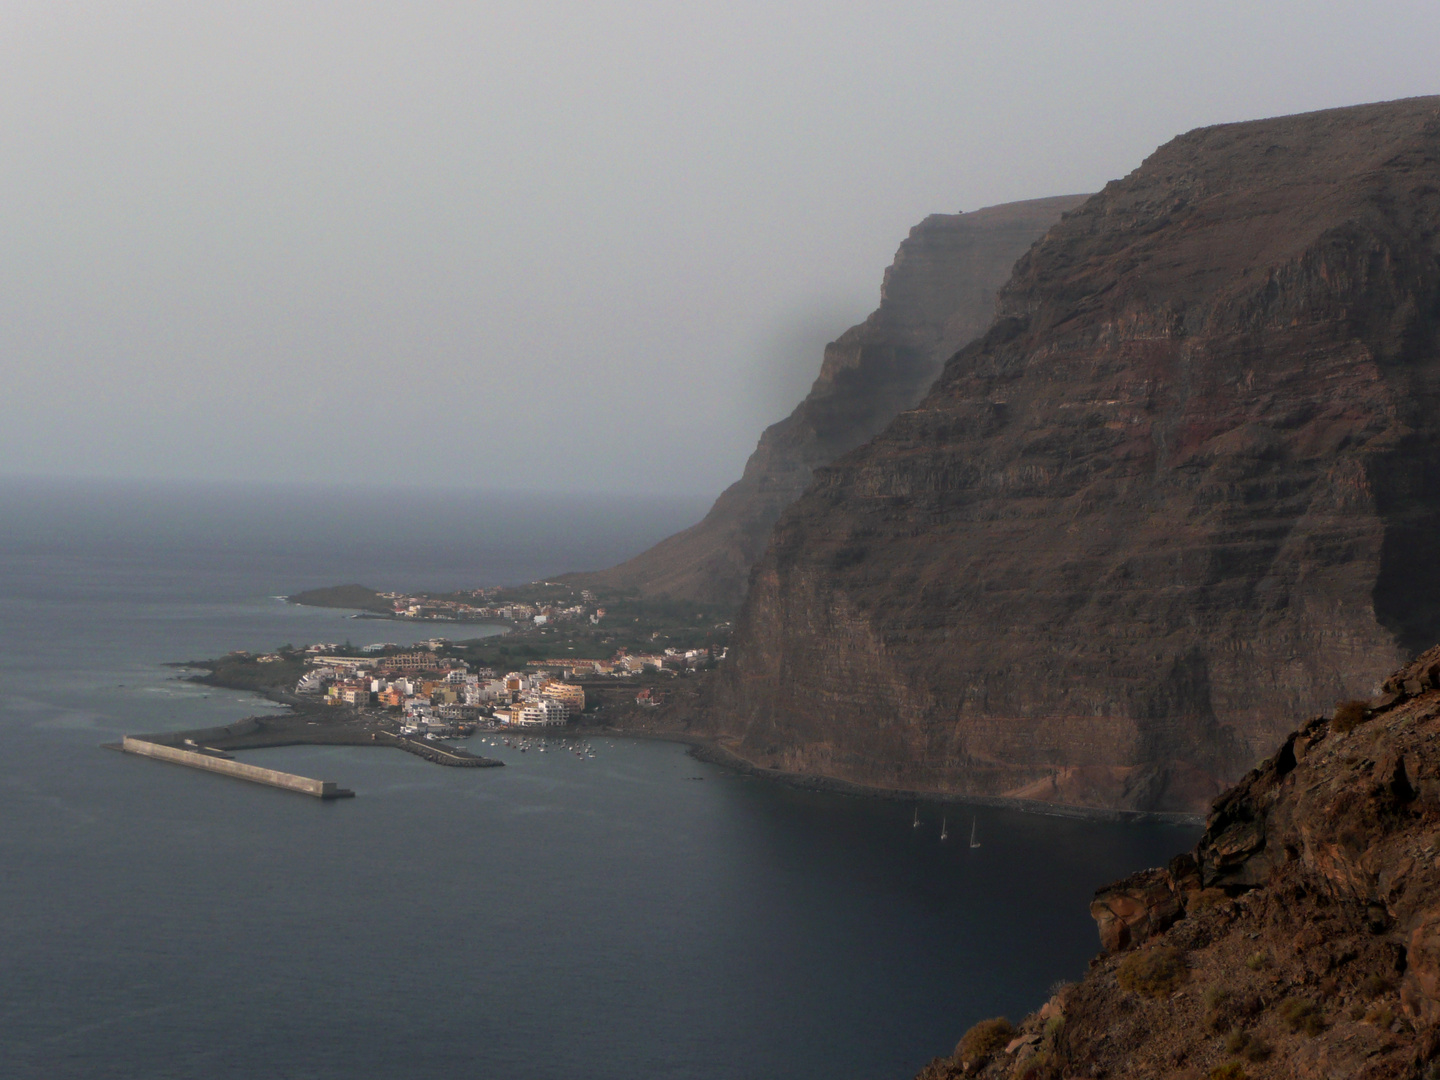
(634, 915)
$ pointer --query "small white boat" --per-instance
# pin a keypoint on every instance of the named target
(916, 823)
(944, 830)
(973, 842)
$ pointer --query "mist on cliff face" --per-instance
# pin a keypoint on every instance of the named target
(555, 245)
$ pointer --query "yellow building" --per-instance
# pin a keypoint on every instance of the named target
(567, 694)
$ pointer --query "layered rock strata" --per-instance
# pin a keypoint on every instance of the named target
(1300, 939)
(937, 295)
(1185, 488)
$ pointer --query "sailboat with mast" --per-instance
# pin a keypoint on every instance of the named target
(944, 829)
(916, 823)
(974, 843)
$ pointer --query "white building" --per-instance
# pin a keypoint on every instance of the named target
(484, 691)
(542, 713)
(518, 682)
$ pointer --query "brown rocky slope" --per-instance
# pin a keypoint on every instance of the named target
(1185, 488)
(1301, 938)
(938, 295)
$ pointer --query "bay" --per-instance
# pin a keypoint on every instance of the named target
(634, 914)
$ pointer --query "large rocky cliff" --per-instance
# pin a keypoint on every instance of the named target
(1185, 488)
(1300, 939)
(937, 295)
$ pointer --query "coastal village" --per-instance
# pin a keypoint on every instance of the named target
(405, 606)
(558, 641)
(436, 693)
(411, 697)
(495, 604)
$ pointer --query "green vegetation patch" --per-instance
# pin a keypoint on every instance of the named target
(357, 597)
(636, 626)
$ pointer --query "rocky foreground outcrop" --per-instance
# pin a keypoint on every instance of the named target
(1186, 487)
(1301, 937)
(938, 295)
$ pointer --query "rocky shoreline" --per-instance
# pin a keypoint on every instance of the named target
(326, 731)
(1299, 939)
(715, 753)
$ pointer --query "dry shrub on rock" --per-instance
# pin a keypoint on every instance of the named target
(1206, 899)
(1214, 1000)
(1042, 1066)
(984, 1040)
(940, 1068)
(1251, 1047)
(1257, 1049)
(1372, 986)
(1302, 1014)
(1154, 973)
(1349, 715)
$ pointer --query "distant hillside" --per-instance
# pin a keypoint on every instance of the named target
(937, 295)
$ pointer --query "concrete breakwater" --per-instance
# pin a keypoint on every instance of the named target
(435, 753)
(322, 789)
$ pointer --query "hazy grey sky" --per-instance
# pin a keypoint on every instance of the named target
(552, 244)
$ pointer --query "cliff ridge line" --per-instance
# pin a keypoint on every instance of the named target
(937, 295)
(1185, 488)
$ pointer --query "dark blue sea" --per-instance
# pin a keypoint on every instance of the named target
(612, 918)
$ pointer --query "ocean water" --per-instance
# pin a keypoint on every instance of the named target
(638, 914)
